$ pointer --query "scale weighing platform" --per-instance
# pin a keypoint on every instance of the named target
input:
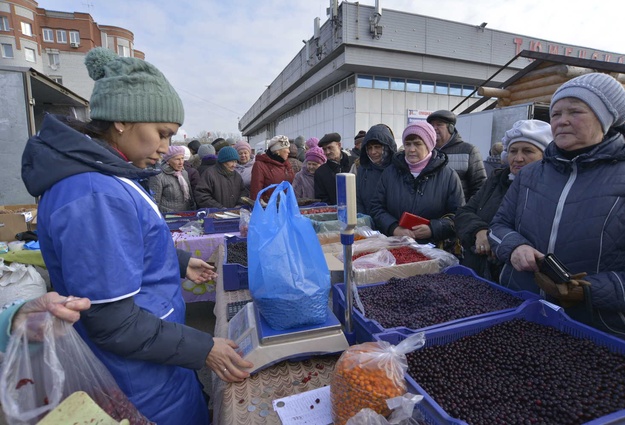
(265, 346)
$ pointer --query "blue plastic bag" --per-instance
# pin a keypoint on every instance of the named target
(289, 278)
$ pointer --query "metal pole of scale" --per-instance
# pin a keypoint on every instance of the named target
(347, 215)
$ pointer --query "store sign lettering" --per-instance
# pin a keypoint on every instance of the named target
(555, 49)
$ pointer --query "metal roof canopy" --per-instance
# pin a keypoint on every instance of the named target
(540, 59)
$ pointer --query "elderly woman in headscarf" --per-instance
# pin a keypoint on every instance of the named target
(271, 167)
(245, 163)
(523, 144)
(570, 204)
(172, 188)
(376, 153)
(420, 182)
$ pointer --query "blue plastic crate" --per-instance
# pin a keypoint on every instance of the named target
(234, 275)
(537, 311)
(175, 220)
(365, 328)
(221, 225)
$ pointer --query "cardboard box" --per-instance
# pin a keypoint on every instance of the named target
(15, 219)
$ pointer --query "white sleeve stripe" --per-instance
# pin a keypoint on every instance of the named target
(142, 193)
(111, 300)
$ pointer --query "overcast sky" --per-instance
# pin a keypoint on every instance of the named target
(220, 55)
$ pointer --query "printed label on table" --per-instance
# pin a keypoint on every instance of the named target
(310, 408)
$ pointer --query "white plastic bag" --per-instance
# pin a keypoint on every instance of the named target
(402, 408)
(19, 282)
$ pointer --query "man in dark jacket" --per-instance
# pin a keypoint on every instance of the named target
(463, 157)
(337, 162)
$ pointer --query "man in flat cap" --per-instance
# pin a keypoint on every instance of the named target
(337, 162)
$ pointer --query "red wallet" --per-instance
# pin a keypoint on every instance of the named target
(408, 221)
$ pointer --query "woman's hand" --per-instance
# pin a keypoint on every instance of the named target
(524, 257)
(402, 231)
(226, 362)
(482, 246)
(422, 231)
(65, 308)
(199, 271)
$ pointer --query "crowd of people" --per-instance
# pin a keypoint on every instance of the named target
(552, 189)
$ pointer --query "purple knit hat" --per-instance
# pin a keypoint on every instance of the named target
(173, 151)
(424, 130)
(315, 154)
(312, 142)
(242, 145)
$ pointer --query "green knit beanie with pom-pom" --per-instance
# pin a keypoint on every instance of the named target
(130, 90)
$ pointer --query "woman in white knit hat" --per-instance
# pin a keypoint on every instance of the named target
(271, 167)
(571, 204)
(523, 144)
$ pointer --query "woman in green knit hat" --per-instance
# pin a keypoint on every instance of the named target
(102, 237)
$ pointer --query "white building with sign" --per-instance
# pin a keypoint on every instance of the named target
(367, 65)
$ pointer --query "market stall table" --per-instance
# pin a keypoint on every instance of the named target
(249, 402)
(204, 247)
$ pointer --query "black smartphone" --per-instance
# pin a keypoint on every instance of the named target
(552, 267)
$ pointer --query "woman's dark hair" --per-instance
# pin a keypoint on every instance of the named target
(96, 129)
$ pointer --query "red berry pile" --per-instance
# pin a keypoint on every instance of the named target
(403, 255)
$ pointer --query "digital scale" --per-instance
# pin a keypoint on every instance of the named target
(264, 346)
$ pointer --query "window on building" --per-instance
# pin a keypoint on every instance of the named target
(441, 88)
(365, 81)
(123, 51)
(413, 85)
(4, 23)
(56, 79)
(427, 86)
(48, 35)
(29, 54)
(61, 36)
(398, 84)
(74, 37)
(381, 83)
(455, 89)
(27, 29)
(54, 60)
(467, 90)
(7, 51)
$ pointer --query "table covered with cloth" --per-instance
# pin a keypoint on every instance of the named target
(204, 247)
(250, 401)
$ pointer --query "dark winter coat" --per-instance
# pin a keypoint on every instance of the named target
(466, 160)
(435, 194)
(220, 188)
(476, 215)
(325, 178)
(207, 162)
(574, 209)
(194, 174)
(369, 173)
(267, 171)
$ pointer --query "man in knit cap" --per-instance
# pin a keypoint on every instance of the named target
(570, 205)
(219, 143)
(208, 157)
(301, 148)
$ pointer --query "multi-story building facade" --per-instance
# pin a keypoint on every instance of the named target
(367, 65)
(55, 43)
